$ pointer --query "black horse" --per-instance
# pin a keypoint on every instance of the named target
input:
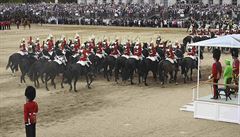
(108, 65)
(74, 72)
(13, 62)
(119, 66)
(25, 65)
(189, 64)
(37, 70)
(52, 69)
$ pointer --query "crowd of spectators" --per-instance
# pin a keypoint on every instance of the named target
(178, 15)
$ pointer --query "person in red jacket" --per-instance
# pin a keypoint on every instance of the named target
(192, 52)
(37, 46)
(100, 51)
(115, 52)
(216, 72)
(83, 60)
(170, 54)
(30, 112)
(127, 51)
(153, 52)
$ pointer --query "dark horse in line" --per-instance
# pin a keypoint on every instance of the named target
(74, 72)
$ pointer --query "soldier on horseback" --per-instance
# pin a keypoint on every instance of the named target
(23, 50)
(115, 52)
(137, 52)
(37, 46)
(192, 52)
(100, 51)
(127, 52)
(84, 60)
(153, 55)
(170, 54)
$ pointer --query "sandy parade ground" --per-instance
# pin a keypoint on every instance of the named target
(108, 109)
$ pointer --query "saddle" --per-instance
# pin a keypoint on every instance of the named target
(170, 60)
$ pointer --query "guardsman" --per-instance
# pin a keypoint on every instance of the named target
(127, 51)
(100, 51)
(64, 43)
(192, 52)
(76, 46)
(22, 47)
(30, 112)
(170, 54)
(137, 52)
(83, 60)
(153, 52)
(115, 52)
(216, 72)
(37, 46)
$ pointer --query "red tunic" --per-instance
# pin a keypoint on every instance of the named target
(50, 45)
(193, 51)
(127, 50)
(84, 55)
(115, 51)
(216, 70)
(153, 51)
(91, 47)
(30, 110)
(37, 48)
(236, 67)
(63, 44)
(170, 53)
(23, 47)
(99, 49)
(138, 51)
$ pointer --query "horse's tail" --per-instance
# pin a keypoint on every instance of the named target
(9, 62)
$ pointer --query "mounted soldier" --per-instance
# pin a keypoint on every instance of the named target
(23, 50)
(115, 52)
(127, 52)
(84, 60)
(153, 55)
(137, 52)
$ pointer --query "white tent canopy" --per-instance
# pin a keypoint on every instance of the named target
(230, 41)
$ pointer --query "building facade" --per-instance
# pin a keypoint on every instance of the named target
(162, 2)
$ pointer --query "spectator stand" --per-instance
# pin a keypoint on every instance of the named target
(206, 108)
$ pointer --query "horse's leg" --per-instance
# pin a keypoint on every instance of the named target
(191, 74)
(116, 75)
(46, 77)
(88, 85)
(62, 82)
(131, 76)
(145, 78)
(52, 80)
(175, 76)
(75, 82)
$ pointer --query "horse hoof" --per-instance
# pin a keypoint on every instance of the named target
(176, 83)
(146, 84)
(75, 90)
(89, 87)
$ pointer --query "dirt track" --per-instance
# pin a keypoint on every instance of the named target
(108, 109)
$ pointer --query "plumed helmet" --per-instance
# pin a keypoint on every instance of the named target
(23, 40)
(30, 93)
(216, 54)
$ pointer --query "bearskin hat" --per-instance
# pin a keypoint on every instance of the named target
(216, 54)
(30, 93)
(234, 52)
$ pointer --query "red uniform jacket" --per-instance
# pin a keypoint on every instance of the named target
(153, 51)
(193, 51)
(63, 44)
(23, 47)
(91, 47)
(138, 51)
(170, 53)
(37, 48)
(84, 55)
(127, 50)
(115, 51)
(100, 49)
(50, 45)
(236, 67)
(216, 70)
(30, 110)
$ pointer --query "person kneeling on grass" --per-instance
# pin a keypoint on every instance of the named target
(30, 112)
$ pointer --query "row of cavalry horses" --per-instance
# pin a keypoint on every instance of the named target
(47, 67)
